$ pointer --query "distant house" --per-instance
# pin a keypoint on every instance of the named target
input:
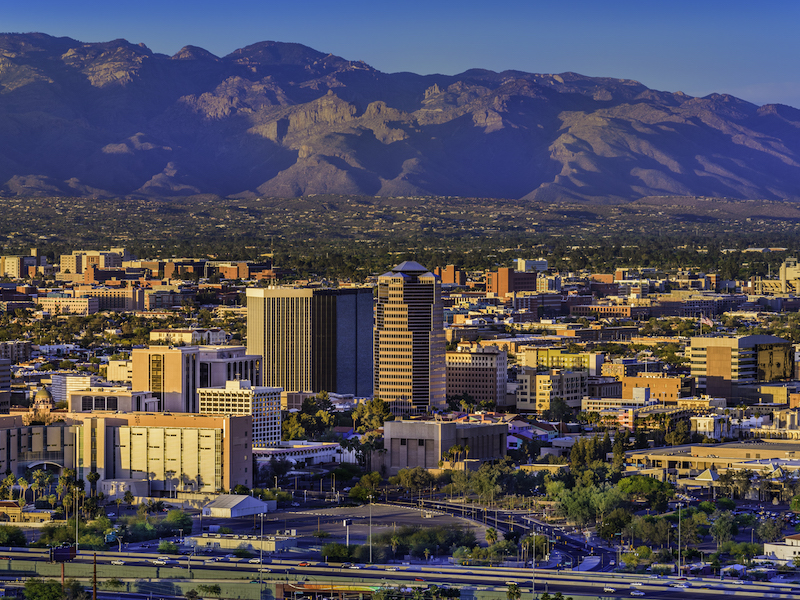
(14, 513)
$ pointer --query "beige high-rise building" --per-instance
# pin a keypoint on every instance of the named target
(480, 373)
(175, 374)
(241, 398)
(722, 364)
(145, 453)
(536, 390)
(410, 371)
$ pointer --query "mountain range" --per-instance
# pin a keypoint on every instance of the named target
(284, 120)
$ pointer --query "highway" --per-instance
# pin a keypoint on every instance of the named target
(596, 585)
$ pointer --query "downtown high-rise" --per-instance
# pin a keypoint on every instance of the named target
(409, 342)
(312, 340)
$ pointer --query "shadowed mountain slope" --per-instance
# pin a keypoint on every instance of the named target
(285, 120)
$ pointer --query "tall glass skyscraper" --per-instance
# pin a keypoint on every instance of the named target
(312, 340)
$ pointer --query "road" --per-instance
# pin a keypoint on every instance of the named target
(567, 582)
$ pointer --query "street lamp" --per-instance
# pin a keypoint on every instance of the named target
(533, 569)
(189, 561)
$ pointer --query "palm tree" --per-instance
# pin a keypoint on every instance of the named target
(491, 536)
(513, 592)
(427, 553)
(23, 483)
(528, 546)
(93, 477)
(395, 542)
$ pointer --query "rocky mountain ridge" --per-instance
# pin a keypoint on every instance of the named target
(284, 120)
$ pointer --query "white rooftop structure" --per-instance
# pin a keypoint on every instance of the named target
(231, 506)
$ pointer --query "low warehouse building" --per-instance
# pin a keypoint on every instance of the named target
(234, 506)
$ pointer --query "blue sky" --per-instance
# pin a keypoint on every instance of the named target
(748, 49)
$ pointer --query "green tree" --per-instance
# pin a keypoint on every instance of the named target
(11, 535)
(167, 548)
(209, 590)
(93, 477)
(513, 592)
(559, 411)
(371, 415)
(723, 528)
(491, 536)
(769, 531)
(618, 450)
(38, 589)
(179, 520)
(412, 479)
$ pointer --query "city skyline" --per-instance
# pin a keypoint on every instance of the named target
(736, 48)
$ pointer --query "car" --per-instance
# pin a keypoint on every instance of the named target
(255, 560)
(304, 564)
(655, 576)
(166, 558)
(418, 579)
(295, 504)
(637, 583)
(158, 561)
(609, 590)
(679, 585)
(391, 568)
(354, 567)
(511, 583)
(347, 565)
(612, 562)
(637, 593)
(111, 514)
(265, 570)
(118, 562)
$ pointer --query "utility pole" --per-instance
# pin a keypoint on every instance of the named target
(94, 578)
(261, 561)
(76, 521)
(370, 529)
(680, 504)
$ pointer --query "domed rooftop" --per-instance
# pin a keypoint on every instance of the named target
(43, 394)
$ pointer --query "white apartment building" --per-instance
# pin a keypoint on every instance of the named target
(191, 337)
(241, 398)
(64, 383)
(787, 550)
